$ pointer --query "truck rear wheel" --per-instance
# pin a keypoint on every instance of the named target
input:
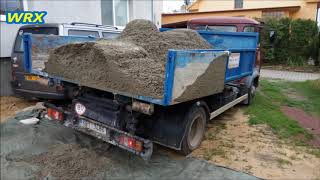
(251, 94)
(196, 120)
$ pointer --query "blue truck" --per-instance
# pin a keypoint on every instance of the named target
(135, 122)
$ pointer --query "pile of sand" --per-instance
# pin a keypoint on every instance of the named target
(133, 63)
(69, 161)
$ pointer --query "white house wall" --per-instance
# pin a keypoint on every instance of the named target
(61, 11)
(8, 33)
(142, 9)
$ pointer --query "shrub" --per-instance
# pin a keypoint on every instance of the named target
(296, 41)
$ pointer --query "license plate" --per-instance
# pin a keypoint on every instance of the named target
(31, 78)
(95, 127)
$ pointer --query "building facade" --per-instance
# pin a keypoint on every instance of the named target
(304, 9)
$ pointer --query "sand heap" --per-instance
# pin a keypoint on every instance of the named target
(134, 62)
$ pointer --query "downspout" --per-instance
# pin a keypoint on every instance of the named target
(317, 13)
(152, 13)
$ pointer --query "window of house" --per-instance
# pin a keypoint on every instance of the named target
(115, 12)
(273, 14)
(83, 33)
(11, 5)
(238, 4)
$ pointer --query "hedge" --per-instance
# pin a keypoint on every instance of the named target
(296, 41)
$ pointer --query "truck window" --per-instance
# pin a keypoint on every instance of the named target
(217, 28)
(110, 35)
(83, 33)
(18, 46)
(249, 29)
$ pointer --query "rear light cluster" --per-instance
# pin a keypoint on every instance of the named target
(54, 114)
(131, 143)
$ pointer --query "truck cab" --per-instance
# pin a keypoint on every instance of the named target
(27, 85)
(225, 24)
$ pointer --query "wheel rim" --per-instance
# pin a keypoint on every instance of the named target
(253, 90)
(195, 132)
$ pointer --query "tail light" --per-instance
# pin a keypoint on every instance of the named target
(54, 114)
(131, 143)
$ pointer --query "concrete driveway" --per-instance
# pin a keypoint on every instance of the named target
(27, 153)
(288, 75)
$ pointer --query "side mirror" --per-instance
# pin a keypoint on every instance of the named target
(272, 36)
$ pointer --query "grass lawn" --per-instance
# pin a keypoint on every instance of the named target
(266, 108)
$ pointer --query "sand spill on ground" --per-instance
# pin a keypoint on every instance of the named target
(10, 105)
(232, 143)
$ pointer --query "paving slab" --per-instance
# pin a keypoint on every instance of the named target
(288, 75)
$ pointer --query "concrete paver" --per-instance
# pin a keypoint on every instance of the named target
(288, 75)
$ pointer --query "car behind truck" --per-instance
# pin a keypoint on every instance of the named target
(178, 119)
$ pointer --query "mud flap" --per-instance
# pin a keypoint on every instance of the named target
(167, 127)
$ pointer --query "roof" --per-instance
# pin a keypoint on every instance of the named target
(212, 20)
(292, 8)
(223, 20)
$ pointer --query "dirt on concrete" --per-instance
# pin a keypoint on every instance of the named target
(10, 105)
(69, 161)
(48, 150)
(231, 142)
(133, 63)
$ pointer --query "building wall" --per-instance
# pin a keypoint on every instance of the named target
(215, 5)
(308, 7)
(68, 11)
(8, 33)
(142, 9)
(166, 19)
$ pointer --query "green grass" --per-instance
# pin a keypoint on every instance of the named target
(311, 90)
(266, 108)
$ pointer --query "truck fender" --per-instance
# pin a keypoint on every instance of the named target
(205, 106)
(250, 79)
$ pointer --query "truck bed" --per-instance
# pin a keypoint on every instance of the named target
(189, 74)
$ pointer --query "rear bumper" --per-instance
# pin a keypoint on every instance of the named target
(112, 134)
(30, 94)
(112, 137)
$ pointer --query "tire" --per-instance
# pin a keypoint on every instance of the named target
(196, 120)
(251, 94)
